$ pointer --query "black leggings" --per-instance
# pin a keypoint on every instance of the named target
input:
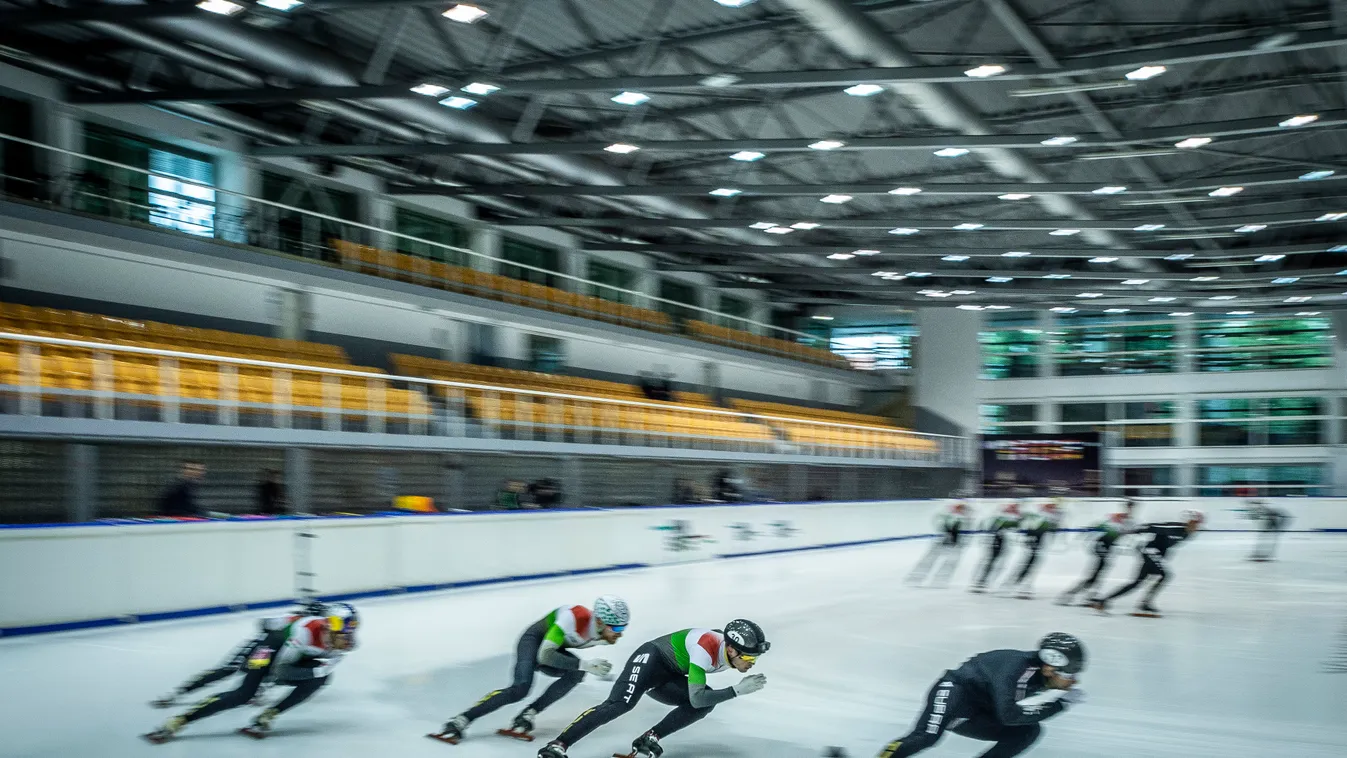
(993, 558)
(1150, 566)
(247, 689)
(231, 666)
(948, 709)
(1034, 544)
(647, 671)
(1103, 555)
(525, 665)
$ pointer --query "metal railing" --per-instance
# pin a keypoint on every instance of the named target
(47, 376)
(81, 183)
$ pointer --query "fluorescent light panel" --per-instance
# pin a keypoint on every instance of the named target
(465, 13)
(630, 98)
(748, 156)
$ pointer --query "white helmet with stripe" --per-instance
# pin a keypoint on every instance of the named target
(612, 611)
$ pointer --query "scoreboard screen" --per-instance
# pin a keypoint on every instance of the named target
(1041, 464)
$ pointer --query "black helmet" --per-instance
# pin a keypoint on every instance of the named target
(1063, 652)
(747, 637)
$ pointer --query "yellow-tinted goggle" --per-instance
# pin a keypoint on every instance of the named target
(336, 624)
(748, 658)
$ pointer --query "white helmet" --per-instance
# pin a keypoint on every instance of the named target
(612, 611)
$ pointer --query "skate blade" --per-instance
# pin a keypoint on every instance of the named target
(624, 755)
(155, 739)
(256, 734)
(442, 738)
(1144, 615)
(525, 736)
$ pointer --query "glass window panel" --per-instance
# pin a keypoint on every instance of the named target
(1083, 412)
(1264, 344)
(735, 312)
(432, 229)
(679, 292)
(1096, 345)
(1008, 419)
(1149, 410)
(1009, 353)
(882, 347)
(610, 280)
(179, 195)
(533, 255)
(303, 234)
(1147, 435)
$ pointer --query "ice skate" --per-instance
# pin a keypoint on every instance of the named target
(522, 727)
(1099, 605)
(167, 701)
(453, 730)
(645, 746)
(1065, 599)
(553, 750)
(978, 589)
(1146, 610)
(261, 725)
(166, 732)
(1024, 595)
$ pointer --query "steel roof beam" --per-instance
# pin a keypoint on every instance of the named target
(887, 251)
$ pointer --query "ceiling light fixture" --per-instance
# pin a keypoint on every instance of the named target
(1057, 276)
(1268, 258)
(865, 252)
(222, 7)
(1136, 281)
(1117, 310)
(970, 307)
(1015, 196)
(1064, 232)
(458, 102)
(1103, 259)
(1144, 73)
(621, 148)
(905, 191)
(481, 88)
(735, 3)
(284, 6)
(1225, 191)
(951, 152)
(955, 258)
(1204, 278)
(904, 231)
(1148, 228)
(1286, 280)
(1250, 228)
(1338, 249)
(985, 70)
(1109, 190)
(780, 230)
(1294, 121)
(1314, 176)
(1061, 141)
(835, 199)
(1192, 142)
(827, 144)
(863, 90)
(1180, 313)
(1239, 313)
(1308, 313)
(1090, 294)
(884, 273)
(1062, 309)
(430, 90)
(1000, 279)
(968, 227)
(1178, 257)
(1222, 297)
(630, 98)
(821, 317)
(761, 225)
(725, 192)
(1163, 299)
(465, 13)
(720, 81)
(1016, 254)
(1332, 217)
(841, 256)
(963, 292)
(998, 307)
(805, 226)
(748, 156)
(918, 274)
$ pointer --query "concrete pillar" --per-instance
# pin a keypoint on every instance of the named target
(573, 482)
(454, 339)
(1185, 476)
(1185, 339)
(450, 496)
(485, 241)
(294, 313)
(379, 211)
(1047, 321)
(1047, 416)
(298, 478)
(60, 127)
(82, 478)
(948, 361)
(235, 177)
(711, 380)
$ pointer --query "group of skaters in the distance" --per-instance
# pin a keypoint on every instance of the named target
(1036, 527)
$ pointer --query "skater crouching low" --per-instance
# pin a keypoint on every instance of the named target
(944, 553)
(999, 696)
(1108, 532)
(1005, 523)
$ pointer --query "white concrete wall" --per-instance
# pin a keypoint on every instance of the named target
(62, 574)
(947, 364)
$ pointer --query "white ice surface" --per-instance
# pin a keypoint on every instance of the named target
(1235, 669)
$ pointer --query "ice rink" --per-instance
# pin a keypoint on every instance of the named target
(1236, 669)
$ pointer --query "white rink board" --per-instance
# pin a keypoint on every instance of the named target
(52, 575)
(1235, 668)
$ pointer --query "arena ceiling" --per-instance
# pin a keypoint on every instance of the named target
(1145, 155)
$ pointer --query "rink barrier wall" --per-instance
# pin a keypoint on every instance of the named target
(89, 576)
